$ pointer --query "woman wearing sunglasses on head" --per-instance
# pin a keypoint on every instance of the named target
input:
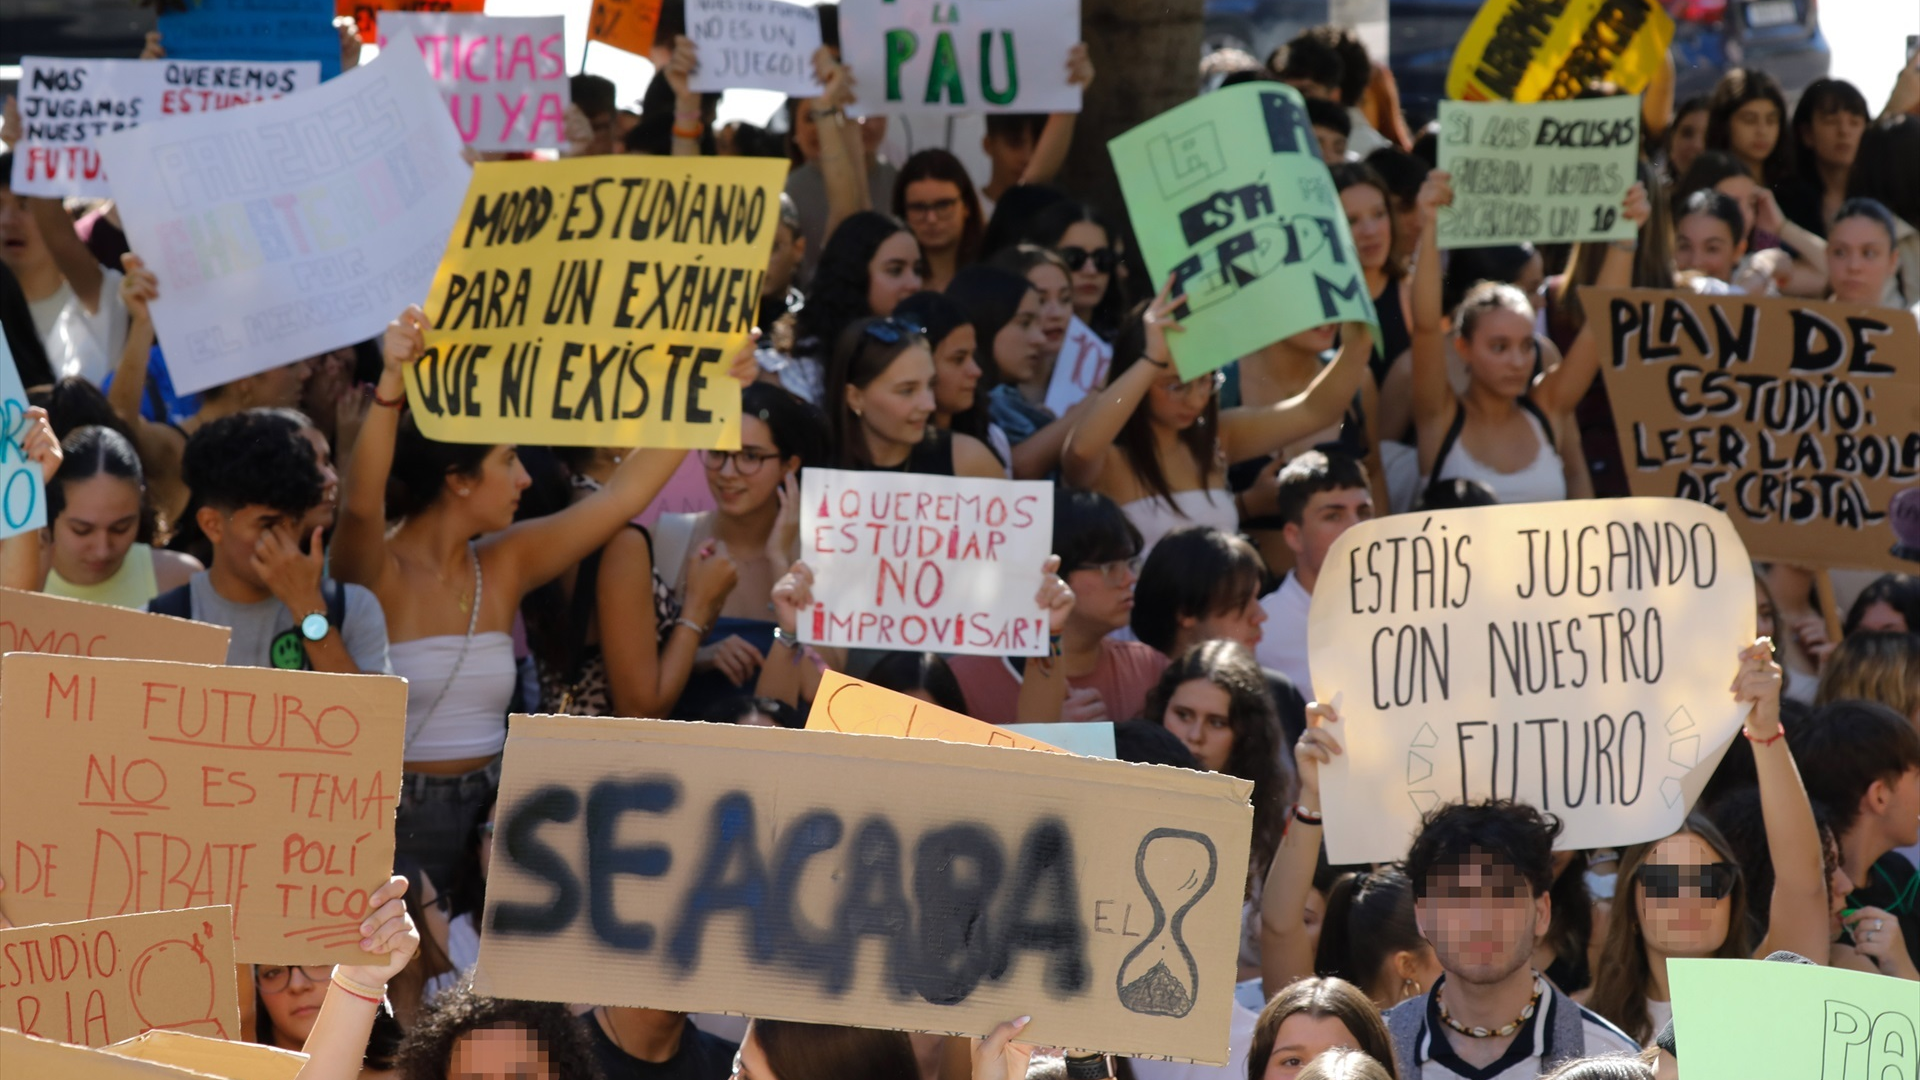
(880, 405)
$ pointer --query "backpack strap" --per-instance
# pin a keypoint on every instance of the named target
(176, 602)
(334, 595)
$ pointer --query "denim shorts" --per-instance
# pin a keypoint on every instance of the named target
(438, 821)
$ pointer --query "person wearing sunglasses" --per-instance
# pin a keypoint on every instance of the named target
(880, 405)
(1684, 896)
(935, 197)
(1089, 246)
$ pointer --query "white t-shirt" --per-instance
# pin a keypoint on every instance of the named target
(1283, 644)
(78, 342)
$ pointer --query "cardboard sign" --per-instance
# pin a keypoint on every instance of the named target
(1080, 369)
(293, 227)
(504, 80)
(133, 785)
(844, 703)
(754, 45)
(43, 1059)
(275, 30)
(1550, 50)
(962, 56)
(845, 879)
(212, 1057)
(1551, 173)
(1822, 1022)
(597, 302)
(104, 980)
(1228, 194)
(23, 491)
(628, 25)
(936, 563)
(1798, 418)
(1574, 656)
(365, 13)
(39, 623)
(65, 103)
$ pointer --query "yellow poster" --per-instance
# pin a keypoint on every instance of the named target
(597, 301)
(1549, 50)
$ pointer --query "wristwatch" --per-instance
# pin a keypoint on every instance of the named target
(314, 626)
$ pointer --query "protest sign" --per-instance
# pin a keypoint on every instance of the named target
(1549, 173)
(292, 227)
(23, 491)
(504, 79)
(1551, 50)
(1798, 418)
(947, 564)
(1521, 652)
(44, 1059)
(104, 980)
(744, 870)
(962, 56)
(629, 25)
(1080, 369)
(37, 622)
(65, 103)
(754, 45)
(133, 785)
(1229, 196)
(223, 1058)
(847, 704)
(365, 13)
(277, 30)
(1822, 1022)
(597, 302)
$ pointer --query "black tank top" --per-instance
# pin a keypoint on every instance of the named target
(1394, 338)
(931, 456)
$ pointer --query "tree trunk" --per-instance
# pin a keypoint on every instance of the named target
(1146, 59)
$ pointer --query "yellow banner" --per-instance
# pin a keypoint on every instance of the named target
(597, 301)
(1549, 50)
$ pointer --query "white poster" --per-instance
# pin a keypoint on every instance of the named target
(961, 56)
(1080, 369)
(754, 45)
(66, 104)
(504, 79)
(1575, 656)
(23, 493)
(925, 563)
(295, 227)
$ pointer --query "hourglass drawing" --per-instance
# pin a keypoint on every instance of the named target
(1159, 977)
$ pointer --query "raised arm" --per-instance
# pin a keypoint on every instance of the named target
(159, 444)
(1043, 683)
(76, 263)
(1797, 913)
(1286, 951)
(540, 549)
(1050, 150)
(1562, 387)
(644, 676)
(360, 552)
(21, 563)
(337, 1045)
(1038, 455)
(1433, 399)
(843, 155)
(688, 114)
(1256, 431)
(1084, 456)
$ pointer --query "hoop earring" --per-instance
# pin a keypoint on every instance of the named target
(1410, 988)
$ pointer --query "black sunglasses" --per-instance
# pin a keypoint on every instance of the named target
(1104, 259)
(1667, 881)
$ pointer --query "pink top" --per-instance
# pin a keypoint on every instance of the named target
(1126, 671)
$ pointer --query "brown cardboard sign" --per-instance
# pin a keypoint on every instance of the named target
(104, 980)
(36, 622)
(844, 703)
(882, 882)
(133, 785)
(1798, 418)
(44, 1059)
(213, 1057)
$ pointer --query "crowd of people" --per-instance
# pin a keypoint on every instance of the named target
(911, 321)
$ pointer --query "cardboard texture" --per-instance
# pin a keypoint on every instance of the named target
(504, 79)
(131, 785)
(1550, 50)
(36, 622)
(1550, 173)
(23, 1056)
(1229, 197)
(23, 493)
(846, 879)
(105, 980)
(1574, 656)
(844, 703)
(597, 302)
(1800, 419)
(1741, 1019)
(213, 1057)
(754, 45)
(954, 57)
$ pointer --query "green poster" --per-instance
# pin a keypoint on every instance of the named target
(1550, 173)
(1228, 194)
(1746, 1019)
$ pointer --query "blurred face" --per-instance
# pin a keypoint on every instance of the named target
(1674, 888)
(1689, 138)
(1860, 259)
(1743, 190)
(1055, 291)
(956, 372)
(1406, 215)
(1017, 347)
(1089, 281)
(1198, 713)
(1879, 616)
(806, 133)
(1838, 886)
(936, 214)
(1010, 154)
(1241, 624)
(1703, 243)
(1371, 222)
(895, 406)
(1529, 280)
(1753, 130)
(751, 1062)
(321, 516)
(1482, 919)
(1763, 614)
(1301, 1038)
(788, 248)
(21, 247)
(1333, 145)
(1835, 137)
(1903, 813)
(92, 535)
(1316, 341)
(1309, 88)
(499, 1053)
(276, 388)
(749, 478)
(1327, 515)
(295, 1005)
(1500, 353)
(1179, 405)
(1103, 595)
(893, 274)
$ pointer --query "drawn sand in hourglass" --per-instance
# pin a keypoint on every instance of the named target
(1159, 976)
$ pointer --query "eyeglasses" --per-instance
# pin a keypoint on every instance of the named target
(892, 331)
(1104, 259)
(1669, 881)
(745, 462)
(938, 208)
(1118, 572)
(272, 980)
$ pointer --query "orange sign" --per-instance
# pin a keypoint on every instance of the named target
(625, 24)
(365, 13)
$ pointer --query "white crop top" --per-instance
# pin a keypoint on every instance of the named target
(470, 718)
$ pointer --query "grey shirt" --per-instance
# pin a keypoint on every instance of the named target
(807, 187)
(256, 626)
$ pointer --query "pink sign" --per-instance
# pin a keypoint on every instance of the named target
(504, 79)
